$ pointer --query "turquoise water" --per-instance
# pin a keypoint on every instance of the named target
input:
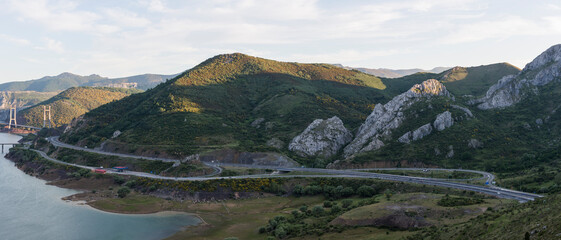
(30, 209)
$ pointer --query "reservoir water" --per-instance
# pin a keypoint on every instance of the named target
(30, 209)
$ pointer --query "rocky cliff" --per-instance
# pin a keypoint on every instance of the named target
(443, 121)
(390, 116)
(511, 89)
(321, 138)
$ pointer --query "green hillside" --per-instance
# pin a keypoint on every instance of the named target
(72, 103)
(458, 80)
(532, 220)
(213, 105)
(520, 143)
(475, 80)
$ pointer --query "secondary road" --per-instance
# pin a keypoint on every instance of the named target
(494, 191)
(56, 142)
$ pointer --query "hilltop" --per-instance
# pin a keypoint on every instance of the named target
(72, 103)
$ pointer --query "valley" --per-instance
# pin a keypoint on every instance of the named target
(324, 151)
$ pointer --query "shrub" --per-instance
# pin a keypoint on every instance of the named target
(123, 192)
(346, 203)
(317, 211)
(280, 233)
(118, 179)
(336, 209)
(366, 191)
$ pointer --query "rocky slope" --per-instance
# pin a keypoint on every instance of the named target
(389, 116)
(321, 138)
(511, 89)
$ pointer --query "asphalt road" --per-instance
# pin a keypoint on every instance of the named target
(319, 172)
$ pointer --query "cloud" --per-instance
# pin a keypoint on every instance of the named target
(346, 56)
(51, 45)
(60, 15)
(15, 40)
(503, 28)
(125, 18)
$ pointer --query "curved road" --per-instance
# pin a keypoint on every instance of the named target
(58, 143)
(494, 191)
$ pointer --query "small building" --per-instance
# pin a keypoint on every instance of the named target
(120, 168)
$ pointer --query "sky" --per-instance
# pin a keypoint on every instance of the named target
(123, 38)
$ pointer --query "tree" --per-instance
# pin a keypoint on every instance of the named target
(123, 192)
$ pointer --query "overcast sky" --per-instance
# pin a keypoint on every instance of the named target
(122, 38)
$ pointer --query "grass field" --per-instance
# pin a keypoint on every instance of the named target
(242, 218)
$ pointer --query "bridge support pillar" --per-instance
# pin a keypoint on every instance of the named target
(47, 115)
(13, 116)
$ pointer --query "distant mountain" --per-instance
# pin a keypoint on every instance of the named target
(72, 103)
(67, 80)
(393, 73)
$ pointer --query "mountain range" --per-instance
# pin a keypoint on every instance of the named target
(67, 80)
(245, 103)
(393, 73)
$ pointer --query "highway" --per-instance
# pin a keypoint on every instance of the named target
(319, 172)
(485, 175)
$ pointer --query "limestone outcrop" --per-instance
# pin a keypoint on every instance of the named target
(443, 121)
(511, 89)
(323, 138)
(419, 133)
(385, 118)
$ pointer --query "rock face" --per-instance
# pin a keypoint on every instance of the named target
(474, 143)
(511, 89)
(450, 153)
(419, 133)
(116, 134)
(276, 143)
(321, 138)
(443, 121)
(389, 116)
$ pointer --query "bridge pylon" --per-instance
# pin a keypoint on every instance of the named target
(13, 116)
(47, 116)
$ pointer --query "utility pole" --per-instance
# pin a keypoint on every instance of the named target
(46, 109)
(13, 116)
